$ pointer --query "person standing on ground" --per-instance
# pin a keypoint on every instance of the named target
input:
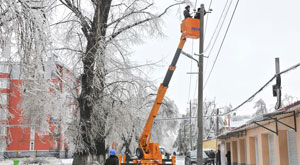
(228, 156)
(218, 157)
(113, 159)
(127, 156)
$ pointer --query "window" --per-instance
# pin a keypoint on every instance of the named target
(2, 145)
(4, 68)
(32, 133)
(4, 83)
(2, 130)
(3, 114)
(3, 99)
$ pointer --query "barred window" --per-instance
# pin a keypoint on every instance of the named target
(2, 130)
(2, 145)
(4, 68)
(3, 114)
(3, 99)
(4, 83)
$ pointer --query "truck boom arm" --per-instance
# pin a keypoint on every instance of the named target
(160, 95)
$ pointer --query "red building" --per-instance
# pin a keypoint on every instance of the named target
(16, 138)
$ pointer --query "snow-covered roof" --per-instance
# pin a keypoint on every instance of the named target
(292, 107)
(238, 123)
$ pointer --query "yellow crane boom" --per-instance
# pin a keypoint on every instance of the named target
(147, 152)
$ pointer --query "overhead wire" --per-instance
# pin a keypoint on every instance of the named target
(219, 21)
(207, 17)
(221, 43)
(248, 99)
(191, 67)
(217, 36)
(258, 91)
(196, 3)
(220, 18)
(189, 96)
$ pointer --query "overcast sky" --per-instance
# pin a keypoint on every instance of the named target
(260, 31)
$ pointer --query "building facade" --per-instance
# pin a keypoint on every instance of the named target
(16, 138)
(269, 139)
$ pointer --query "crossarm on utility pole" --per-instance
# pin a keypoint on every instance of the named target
(160, 95)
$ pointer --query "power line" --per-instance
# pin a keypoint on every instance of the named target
(217, 36)
(252, 96)
(221, 43)
(247, 100)
(207, 17)
(220, 18)
(191, 71)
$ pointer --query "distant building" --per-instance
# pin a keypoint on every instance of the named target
(271, 138)
(16, 138)
(233, 121)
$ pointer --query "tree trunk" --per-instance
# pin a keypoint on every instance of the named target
(91, 158)
(95, 147)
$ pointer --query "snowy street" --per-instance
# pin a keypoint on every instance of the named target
(47, 161)
(180, 160)
(55, 161)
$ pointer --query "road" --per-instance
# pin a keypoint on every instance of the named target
(55, 161)
(180, 160)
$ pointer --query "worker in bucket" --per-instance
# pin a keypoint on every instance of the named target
(186, 12)
(113, 159)
(197, 15)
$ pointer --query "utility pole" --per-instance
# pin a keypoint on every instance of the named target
(184, 136)
(191, 145)
(180, 141)
(277, 86)
(200, 90)
(217, 131)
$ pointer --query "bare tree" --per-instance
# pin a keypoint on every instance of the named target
(106, 28)
(98, 34)
(209, 123)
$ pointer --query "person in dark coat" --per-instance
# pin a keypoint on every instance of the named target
(186, 12)
(113, 159)
(228, 156)
(127, 156)
(218, 157)
(197, 15)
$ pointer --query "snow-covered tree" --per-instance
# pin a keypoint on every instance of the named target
(260, 107)
(24, 39)
(94, 39)
(209, 125)
(100, 33)
(288, 100)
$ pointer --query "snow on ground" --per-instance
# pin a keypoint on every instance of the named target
(55, 161)
(179, 160)
(47, 161)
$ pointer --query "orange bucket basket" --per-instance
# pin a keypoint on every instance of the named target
(190, 28)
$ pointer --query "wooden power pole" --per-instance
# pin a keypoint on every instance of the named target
(200, 90)
(217, 122)
(277, 87)
(191, 144)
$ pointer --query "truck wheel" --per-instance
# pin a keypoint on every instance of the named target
(139, 153)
